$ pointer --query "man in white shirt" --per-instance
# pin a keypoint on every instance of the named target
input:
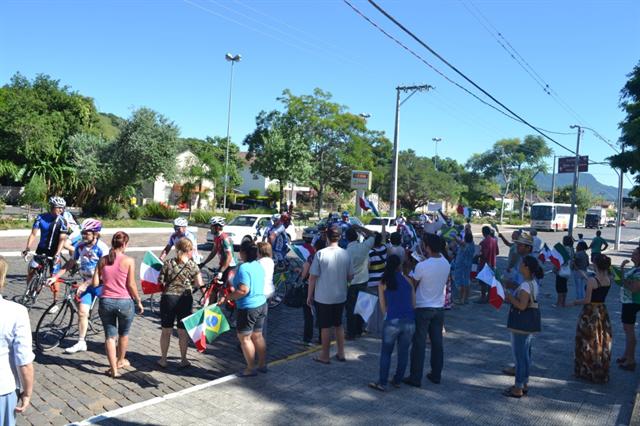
(359, 253)
(16, 357)
(329, 276)
(430, 280)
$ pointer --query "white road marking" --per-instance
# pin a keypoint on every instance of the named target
(129, 250)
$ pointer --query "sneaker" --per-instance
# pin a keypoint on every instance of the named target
(81, 346)
(54, 310)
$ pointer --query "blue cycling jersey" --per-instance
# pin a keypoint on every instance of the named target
(89, 256)
(50, 227)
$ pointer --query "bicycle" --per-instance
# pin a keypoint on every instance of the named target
(41, 271)
(54, 326)
(214, 290)
(286, 275)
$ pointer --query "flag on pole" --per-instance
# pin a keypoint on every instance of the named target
(303, 251)
(205, 325)
(366, 204)
(149, 273)
(496, 293)
(545, 253)
(486, 275)
(559, 255)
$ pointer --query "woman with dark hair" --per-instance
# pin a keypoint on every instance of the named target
(524, 297)
(118, 300)
(248, 292)
(563, 273)
(462, 266)
(593, 333)
(580, 265)
(397, 300)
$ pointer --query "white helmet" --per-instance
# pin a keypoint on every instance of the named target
(216, 221)
(275, 217)
(181, 221)
(57, 202)
(399, 220)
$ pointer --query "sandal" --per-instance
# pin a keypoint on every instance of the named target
(242, 373)
(184, 365)
(621, 360)
(317, 359)
(377, 386)
(340, 359)
(510, 393)
(161, 364)
(125, 364)
(628, 367)
(109, 373)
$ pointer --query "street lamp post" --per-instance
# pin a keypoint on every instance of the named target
(233, 59)
(435, 159)
(575, 180)
(396, 137)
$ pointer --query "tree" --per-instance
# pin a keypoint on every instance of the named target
(419, 182)
(516, 162)
(584, 197)
(479, 191)
(629, 160)
(279, 153)
(35, 194)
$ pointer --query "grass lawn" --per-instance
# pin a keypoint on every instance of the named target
(107, 223)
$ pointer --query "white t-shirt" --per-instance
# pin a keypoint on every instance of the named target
(526, 286)
(15, 344)
(267, 265)
(432, 275)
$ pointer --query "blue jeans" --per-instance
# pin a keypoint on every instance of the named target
(400, 330)
(116, 315)
(521, 345)
(428, 321)
(580, 283)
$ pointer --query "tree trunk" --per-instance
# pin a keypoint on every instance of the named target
(506, 191)
(199, 194)
(281, 186)
(319, 201)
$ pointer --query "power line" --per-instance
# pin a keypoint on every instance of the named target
(436, 54)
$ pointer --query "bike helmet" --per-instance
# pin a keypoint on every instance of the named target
(334, 216)
(181, 221)
(345, 214)
(399, 220)
(275, 217)
(57, 202)
(216, 221)
(93, 225)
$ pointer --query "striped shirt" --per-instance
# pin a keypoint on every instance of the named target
(377, 261)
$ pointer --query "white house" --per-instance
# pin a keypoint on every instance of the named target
(170, 192)
(255, 181)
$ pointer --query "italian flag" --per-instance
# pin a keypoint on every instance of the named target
(205, 325)
(303, 251)
(366, 204)
(559, 255)
(545, 253)
(496, 292)
(149, 273)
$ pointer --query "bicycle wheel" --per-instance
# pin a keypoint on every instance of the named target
(53, 327)
(280, 284)
(31, 290)
(95, 323)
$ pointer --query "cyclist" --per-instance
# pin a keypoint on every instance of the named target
(87, 253)
(223, 246)
(321, 235)
(180, 231)
(53, 234)
(278, 237)
(344, 225)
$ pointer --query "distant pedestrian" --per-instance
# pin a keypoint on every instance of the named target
(537, 242)
(359, 254)
(598, 245)
(593, 333)
(248, 292)
(331, 272)
(462, 267)
(488, 255)
(118, 301)
(308, 311)
(630, 308)
(514, 257)
(396, 298)
(563, 273)
(430, 280)
(16, 356)
(580, 265)
(521, 325)
(395, 246)
(178, 278)
(377, 262)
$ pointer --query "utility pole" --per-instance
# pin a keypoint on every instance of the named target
(553, 181)
(575, 181)
(620, 205)
(396, 136)
(435, 159)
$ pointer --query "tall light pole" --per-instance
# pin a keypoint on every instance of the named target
(396, 136)
(620, 206)
(233, 59)
(575, 180)
(435, 159)
(553, 181)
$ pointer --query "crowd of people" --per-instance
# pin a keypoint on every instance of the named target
(416, 277)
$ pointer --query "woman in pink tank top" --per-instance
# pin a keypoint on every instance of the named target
(118, 300)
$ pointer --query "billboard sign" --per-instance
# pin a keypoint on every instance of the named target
(568, 164)
(361, 180)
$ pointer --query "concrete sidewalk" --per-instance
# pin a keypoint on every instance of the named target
(477, 347)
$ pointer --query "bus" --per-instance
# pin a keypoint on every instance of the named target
(551, 216)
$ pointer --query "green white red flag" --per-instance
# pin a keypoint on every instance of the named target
(559, 255)
(149, 273)
(205, 325)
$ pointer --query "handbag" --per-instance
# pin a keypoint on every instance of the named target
(565, 270)
(527, 321)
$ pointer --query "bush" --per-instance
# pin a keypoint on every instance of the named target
(112, 210)
(159, 211)
(2, 204)
(254, 193)
(35, 192)
(135, 212)
(202, 216)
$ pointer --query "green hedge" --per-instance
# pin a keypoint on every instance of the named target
(159, 211)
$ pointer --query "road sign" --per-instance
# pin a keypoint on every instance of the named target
(568, 164)
(361, 180)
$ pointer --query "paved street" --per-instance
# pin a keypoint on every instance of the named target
(73, 387)
(476, 349)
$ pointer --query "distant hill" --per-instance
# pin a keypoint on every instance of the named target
(609, 193)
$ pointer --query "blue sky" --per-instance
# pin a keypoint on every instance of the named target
(169, 55)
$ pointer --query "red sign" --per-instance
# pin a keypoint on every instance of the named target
(568, 164)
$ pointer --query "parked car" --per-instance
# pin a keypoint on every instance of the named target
(476, 213)
(248, 225)
(491, 213)
(310, 232)
(376, 224)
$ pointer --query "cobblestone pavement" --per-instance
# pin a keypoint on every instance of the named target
(476, 349)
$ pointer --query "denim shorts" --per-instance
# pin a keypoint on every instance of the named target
(116, 315)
